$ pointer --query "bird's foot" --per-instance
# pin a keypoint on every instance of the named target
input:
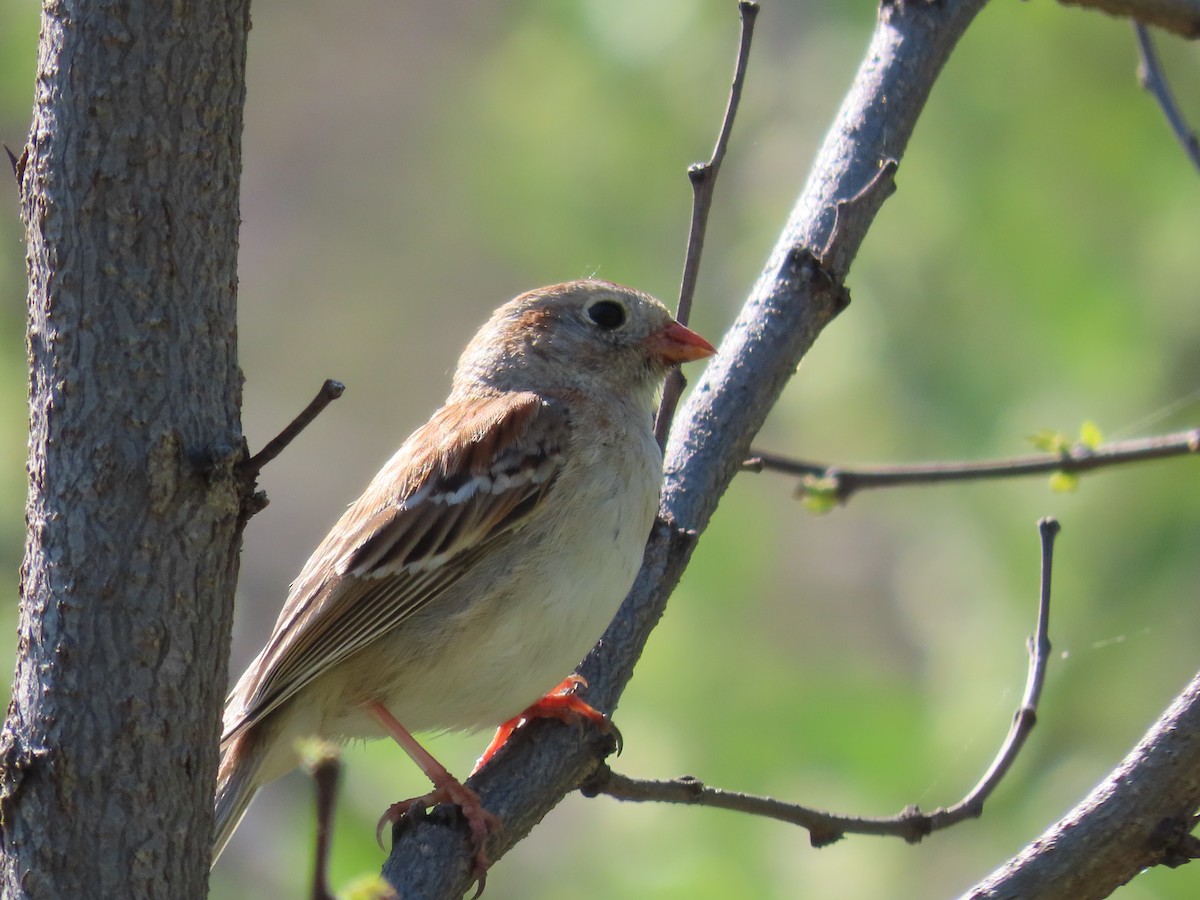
(562, 703)
(479, 819)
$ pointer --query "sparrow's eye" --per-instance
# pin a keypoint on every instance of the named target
(608, 314)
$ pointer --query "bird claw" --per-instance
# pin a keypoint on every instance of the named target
(393, 814)
(480, 821)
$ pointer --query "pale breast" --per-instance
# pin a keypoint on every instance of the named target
(521, 620)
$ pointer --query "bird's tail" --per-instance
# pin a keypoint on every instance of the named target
(237, 782)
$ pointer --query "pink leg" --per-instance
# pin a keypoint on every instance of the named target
(446, 789)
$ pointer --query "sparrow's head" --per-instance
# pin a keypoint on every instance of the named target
(579, 336)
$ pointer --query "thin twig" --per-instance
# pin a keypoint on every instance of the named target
(911, 824)
(1153, 79)
(842, 484)
(329, 392)
(703, 177)
(971, 806)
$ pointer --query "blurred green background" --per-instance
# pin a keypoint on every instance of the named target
(410, 166)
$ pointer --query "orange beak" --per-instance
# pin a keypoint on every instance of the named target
(678, 344)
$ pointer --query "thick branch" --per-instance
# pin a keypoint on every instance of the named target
(793, 301)
(1139, 816)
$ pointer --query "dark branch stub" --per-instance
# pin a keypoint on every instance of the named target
(329, 392)
(1174, 840)
(255, 501)
(16, 163)
(325, 767)
(910, 824)
(863, 205)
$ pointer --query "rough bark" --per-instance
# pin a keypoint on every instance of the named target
(129, 187)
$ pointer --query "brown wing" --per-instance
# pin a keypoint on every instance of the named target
(466, 477)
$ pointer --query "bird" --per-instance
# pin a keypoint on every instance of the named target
(484, 559)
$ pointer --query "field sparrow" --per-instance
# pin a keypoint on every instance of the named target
(484, 560)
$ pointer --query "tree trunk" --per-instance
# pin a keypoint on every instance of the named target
(129, 187)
